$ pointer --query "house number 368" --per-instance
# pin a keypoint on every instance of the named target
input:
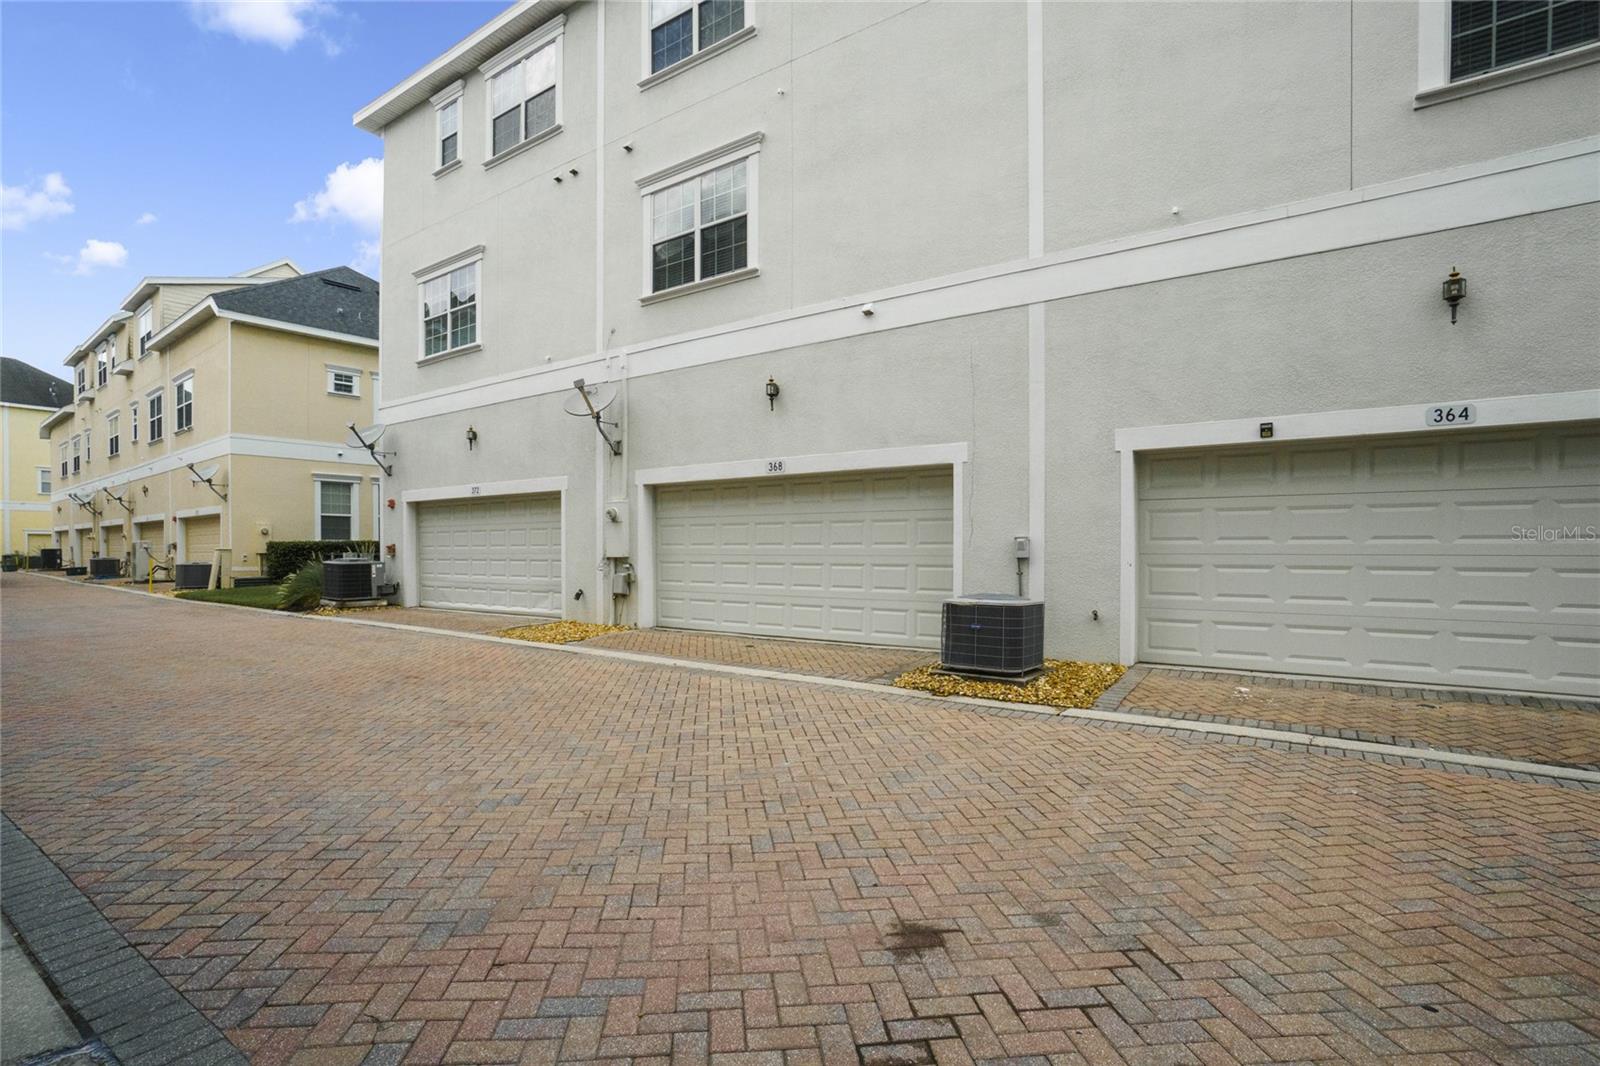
(774, 466)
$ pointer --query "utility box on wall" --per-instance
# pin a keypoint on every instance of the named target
(616, 529)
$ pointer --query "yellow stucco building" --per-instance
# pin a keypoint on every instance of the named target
(28, 396)
(212, 413)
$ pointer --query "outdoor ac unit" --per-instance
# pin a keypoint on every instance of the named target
(345, 580)
(993, 634)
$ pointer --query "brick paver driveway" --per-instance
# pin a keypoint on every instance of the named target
(353, 844)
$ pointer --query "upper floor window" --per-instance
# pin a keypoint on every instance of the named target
(88, 446)
(523, 97)
(113, 437)
(44, 480)
(701, 228)
(83, 378)
(77, 454)
(449, 118)
(183, 403)
(450, 310)
(102, 363)
(1486, 35)
(344, 382)
(153, 405)
(680, 28)
(133, 422)
(147, 326)
(63, 458)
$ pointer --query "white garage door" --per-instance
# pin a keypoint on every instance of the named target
(201, 537)
(865, 558)
(500, 554)
(1463, 557)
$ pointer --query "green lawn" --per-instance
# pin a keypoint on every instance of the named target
(255, 596)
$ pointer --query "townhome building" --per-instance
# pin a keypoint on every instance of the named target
(1245, 336)
(213, 412)
(28, 396)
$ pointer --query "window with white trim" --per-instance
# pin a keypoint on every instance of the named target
(680, 28)
(524, 97)
(450, 310)
(83, 379)
(335, 510)
(113, 437)
(88, 446)
(77, 454)
(64, 459)
(102, 364)
(147, 326)
(700, 228)
(183, 403)
(153, 405)
(343, 381)
(1486, 35)
(133, 422)
(449, 118)
(44, 481)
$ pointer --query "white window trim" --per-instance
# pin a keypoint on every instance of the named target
(186, 377)
(102, 363)
(149, 308)
(439, 269)
(355, 375)
(113, 433)
(551, 33)
(1433, 61)
(354, 481)
(44, 481)
(453, 93)
(133, 422)
(647, 77)
(747, 148)
(152, 436)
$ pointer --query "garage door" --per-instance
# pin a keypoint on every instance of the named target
(501, 554)
(201, 537)
(153, 534)
(866, 558)
(1460, 558)
(113, 544)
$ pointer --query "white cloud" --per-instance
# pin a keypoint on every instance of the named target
(22, 204)
(368, 257)
(352, 193)
(280, 23)
(94, 255)
(145, 219)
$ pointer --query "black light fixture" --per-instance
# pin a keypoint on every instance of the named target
(772, 394)
(1455, 290)
(472, 437)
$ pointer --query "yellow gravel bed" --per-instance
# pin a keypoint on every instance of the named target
(1063, 684)
(559, 632)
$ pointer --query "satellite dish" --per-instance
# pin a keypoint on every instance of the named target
(589, 400)
(365, 438)
(205, 473)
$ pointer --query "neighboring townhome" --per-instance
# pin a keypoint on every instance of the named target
(1246, 336)
(213, 412)
(28, 396)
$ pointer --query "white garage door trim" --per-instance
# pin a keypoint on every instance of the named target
(954, 456)
(1509, 411)
(410, 568)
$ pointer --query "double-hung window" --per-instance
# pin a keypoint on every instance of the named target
(88, 446)
(83, 379)
(113, 436)
(102, 363)
(524, 90)
(343, 381)
(1487, 35)
(147, 327)
(77, 454)
(335, 510)
(183, 403)
(44, 481)
(447, 113)
(450, 310)
(63, 459)
(153, 404)
(702, 227)
(680, 28)
(133, 422)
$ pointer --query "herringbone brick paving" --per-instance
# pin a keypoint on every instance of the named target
(430, 618)
(354, 845)
(1539, 734)
(849, 661)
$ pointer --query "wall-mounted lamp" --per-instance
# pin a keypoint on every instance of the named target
(472, 437)
(772, 394)
(1455, 290)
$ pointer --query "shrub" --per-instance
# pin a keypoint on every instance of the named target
(302, 590)
(284, 557)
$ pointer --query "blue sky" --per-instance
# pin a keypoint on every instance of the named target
(189, 138)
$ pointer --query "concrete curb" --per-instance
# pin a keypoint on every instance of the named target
(1432, 758)
(101, 978)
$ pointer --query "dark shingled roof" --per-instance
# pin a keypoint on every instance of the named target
(341, 300)
(21, 383)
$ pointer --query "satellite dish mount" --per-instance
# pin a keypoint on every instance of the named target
(121, 501)
(204, 475)
(591, 402)
(368, 438)
(86, 504)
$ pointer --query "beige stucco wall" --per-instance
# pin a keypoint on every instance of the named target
(281, 384)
